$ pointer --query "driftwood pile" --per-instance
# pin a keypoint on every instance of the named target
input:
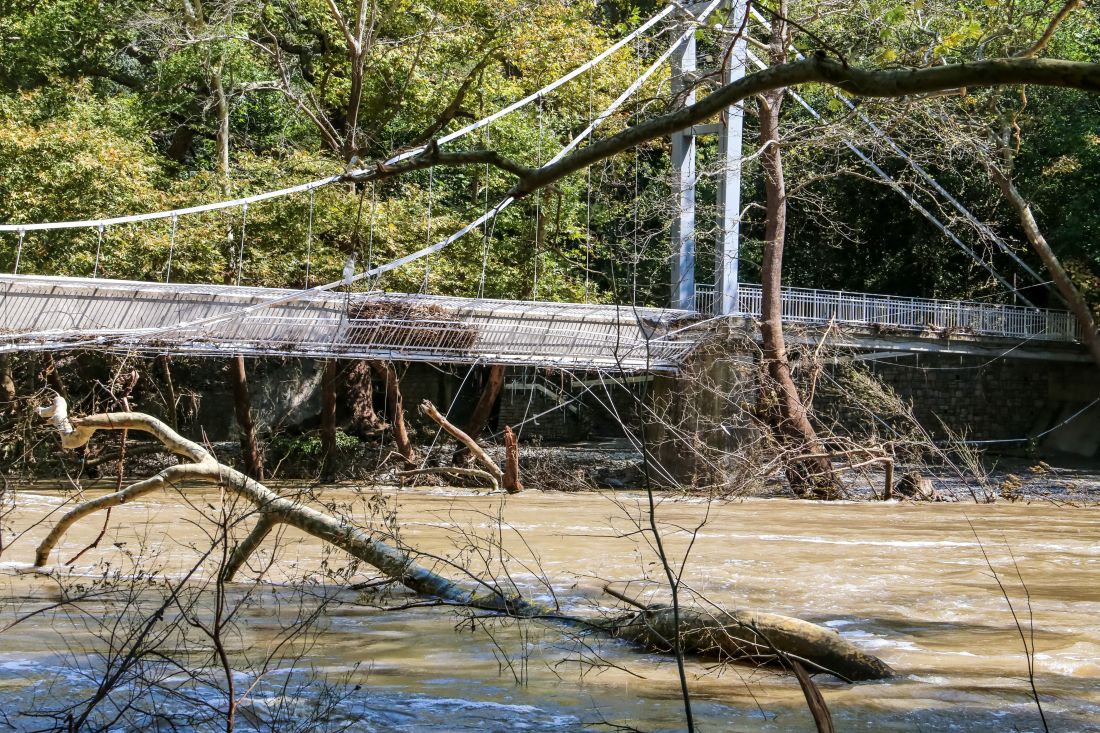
(403, 325)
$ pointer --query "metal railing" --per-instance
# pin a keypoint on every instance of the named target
(804, 305)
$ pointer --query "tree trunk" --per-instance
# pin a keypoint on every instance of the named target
(395, 409)
(242, 406)
(358, 387)
(432, 413)
(479, 418)
(328, 422)
(512, 483)
(172, 399)
(7, 381)
(783, 405)
(221, 102)
(1076, 302)
(50, 376)
(351, 121)
(753, 637)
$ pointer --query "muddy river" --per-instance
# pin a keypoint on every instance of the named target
(908, 583)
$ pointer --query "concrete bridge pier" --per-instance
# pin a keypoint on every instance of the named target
(700, 418)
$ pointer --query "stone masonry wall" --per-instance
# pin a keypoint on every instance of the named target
(984, 399)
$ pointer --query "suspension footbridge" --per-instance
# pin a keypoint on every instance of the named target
(341, 319)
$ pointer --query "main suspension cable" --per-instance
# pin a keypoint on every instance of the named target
(321, 182)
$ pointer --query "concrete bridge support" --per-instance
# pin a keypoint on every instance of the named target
(699, 423)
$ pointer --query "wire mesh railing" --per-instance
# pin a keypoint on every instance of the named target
(42, 313)
(805, 305)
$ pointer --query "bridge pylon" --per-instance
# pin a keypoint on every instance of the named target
(685, 74)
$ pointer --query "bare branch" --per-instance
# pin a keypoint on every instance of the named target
(353, 44)
(452, 109)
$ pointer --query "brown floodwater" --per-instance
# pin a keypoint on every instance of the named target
(906, 582)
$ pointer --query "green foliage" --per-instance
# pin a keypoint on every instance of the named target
(307, 446)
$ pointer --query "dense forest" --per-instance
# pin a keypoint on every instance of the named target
(120, 107)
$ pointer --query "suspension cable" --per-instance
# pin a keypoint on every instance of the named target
(299, 295)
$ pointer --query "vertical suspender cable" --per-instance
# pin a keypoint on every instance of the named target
(485, 257)
(19, 250)
(637, 206)
(98, 249)
(171, 247)
(309, 238)
(240, 258)
(588, 204)
(486, 229)
(370, 229)
(538, 210)
(428, 259)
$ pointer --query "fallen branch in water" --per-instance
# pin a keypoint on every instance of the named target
(452, 471)
(510, 480)
(725, 636)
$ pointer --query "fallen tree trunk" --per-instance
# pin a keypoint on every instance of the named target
(751, 637)
(723, 636)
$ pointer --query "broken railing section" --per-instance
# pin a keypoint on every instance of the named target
(722, 635)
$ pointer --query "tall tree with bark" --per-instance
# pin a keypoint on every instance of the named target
(328, 421)
(809, 471)
(1002, 175)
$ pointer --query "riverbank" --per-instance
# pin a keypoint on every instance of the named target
(614, 465)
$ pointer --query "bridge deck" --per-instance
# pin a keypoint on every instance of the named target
(53, 313)
(39, 313)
